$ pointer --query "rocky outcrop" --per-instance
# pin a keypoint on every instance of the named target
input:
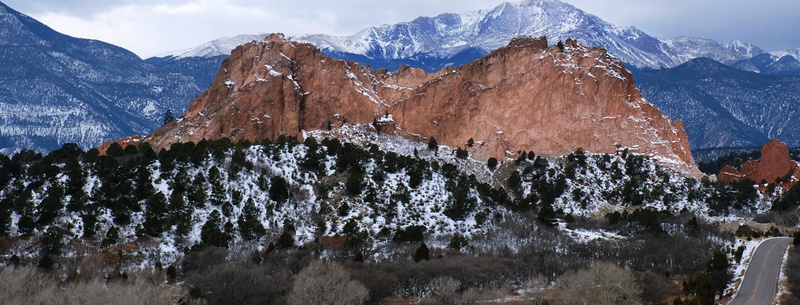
(775, 166)
(134, 140)
(525, 96)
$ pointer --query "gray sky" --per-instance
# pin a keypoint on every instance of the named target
(149, 27)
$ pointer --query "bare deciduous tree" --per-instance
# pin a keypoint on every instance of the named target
(27, 285)
(446, 290)
(326, 282)
(603, 284)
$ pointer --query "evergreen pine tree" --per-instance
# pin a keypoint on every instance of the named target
(77, 201)
(168, 116)
(24, 207)
(211, 234)
(51, 205)
(249, 225)
(5, 215)
(492, 163)
(422, 253)
(180, 213)
(279, 189)
(218, 191)
(112, 237)
(89, 224)
(115, 150)
(547, 215)
(432, 144)
(75, 177)
(354, 185)
(197, 194)
(286, 240)
(181, 181)
(156, 215)
(52, 240)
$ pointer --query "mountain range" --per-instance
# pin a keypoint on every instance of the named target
(725, 107)
(778, 63)
(56, 89)
(432, 43)
(451, 39)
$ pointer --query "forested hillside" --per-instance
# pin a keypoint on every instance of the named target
(396, 213)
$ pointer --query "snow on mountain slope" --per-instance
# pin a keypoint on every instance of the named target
(685, 49)
(448, 34)
(452, 39)
(56, 89)
(723, 106)
(774, 63)
(791, 52)
(216, 47)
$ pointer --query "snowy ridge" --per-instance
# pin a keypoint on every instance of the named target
(216, 47)
(57, 89)
(435, 42)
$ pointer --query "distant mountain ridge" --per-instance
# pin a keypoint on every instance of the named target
(56, 89)
(725, 107)
(451, 39)
(776, 63)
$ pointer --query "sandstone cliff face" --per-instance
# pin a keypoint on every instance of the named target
(525, 96)
(775, 165)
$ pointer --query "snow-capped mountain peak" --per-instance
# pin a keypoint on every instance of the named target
(450, 39)
(216, 47)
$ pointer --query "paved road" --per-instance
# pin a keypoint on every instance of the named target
(761, 279)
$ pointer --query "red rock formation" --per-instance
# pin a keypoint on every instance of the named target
(525, 96)
(124, 142)
(775, 164)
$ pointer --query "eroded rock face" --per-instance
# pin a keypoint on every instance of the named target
(775, 166)
(526, 96)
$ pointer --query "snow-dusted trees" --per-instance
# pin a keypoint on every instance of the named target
(326, 283)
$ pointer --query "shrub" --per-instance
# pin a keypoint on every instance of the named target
(461, 153)
(279, 189)
(412, 234)
(354, 185)
(432, 144)
(458, 242)
(492, 163)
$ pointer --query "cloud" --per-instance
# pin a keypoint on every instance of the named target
(148, 27)
(81, 8)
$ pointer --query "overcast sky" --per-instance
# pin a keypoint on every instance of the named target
(149, 27)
